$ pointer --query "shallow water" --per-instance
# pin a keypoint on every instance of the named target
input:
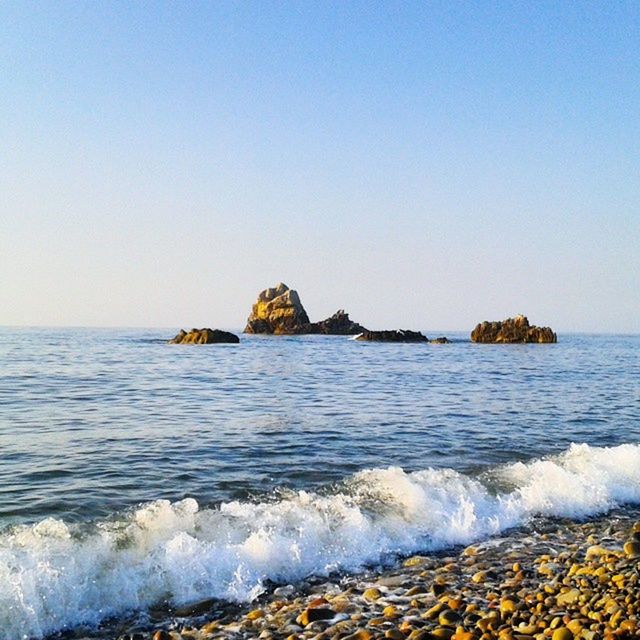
(281, 457)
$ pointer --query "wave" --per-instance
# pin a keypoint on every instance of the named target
(54, 576)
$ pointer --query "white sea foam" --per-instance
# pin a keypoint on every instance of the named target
(51, 577)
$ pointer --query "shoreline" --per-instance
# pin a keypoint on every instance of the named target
(557, 579)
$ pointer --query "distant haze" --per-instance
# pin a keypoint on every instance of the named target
(420, 164)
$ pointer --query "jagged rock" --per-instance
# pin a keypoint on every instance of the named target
(204, 336)
(278, 310)
(512, 330)
(339, 324)
(393, 336)
(440, 340)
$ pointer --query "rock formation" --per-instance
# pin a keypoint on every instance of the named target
(204, 336)
(339, 324)
(512, 330)
(393, 336)
(278, 310)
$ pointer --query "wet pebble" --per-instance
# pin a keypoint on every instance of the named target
(572, 581)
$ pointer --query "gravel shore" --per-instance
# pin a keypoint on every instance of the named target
(558, 580)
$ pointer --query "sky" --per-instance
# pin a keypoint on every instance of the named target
(423, 165)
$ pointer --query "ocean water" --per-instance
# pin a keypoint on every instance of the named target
(133, 472)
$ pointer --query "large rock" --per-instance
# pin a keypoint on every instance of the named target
(278, 310)
(339, 324)
(512, 330)
(204, 336)
(393, 336)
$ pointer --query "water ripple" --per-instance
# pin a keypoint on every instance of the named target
(93, 421)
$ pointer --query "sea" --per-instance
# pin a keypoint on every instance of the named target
(134, 472)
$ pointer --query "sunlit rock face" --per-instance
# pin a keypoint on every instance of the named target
(278, 310)
(512, 330)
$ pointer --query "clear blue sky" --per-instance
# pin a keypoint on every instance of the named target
(421, 164)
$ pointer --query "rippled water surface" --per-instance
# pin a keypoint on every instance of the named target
(96, 421)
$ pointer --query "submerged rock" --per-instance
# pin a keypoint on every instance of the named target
(278, 310)
(205, 336)
(403, 335)
(512, 330)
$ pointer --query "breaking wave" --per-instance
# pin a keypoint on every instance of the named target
(54, 575)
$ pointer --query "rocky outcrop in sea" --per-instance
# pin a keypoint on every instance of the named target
(512, 330)
(279, 311)
(339, 324)
(204, 336)
(402, 335)
(393, 336)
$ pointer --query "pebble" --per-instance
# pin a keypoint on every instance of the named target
(371, 594)
(313, 614)
(567, 597)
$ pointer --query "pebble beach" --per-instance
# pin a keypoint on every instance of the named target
(559, 580)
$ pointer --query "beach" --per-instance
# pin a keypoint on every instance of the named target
(559, 580)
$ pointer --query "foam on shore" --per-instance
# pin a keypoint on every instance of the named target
(54, 576)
